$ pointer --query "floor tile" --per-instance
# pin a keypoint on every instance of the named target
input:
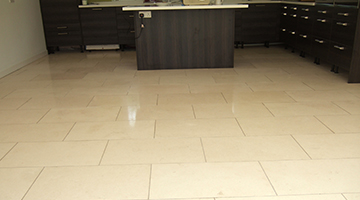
(12, 104)
(159, 89)
(124, 100)
(75, 83)
(330, 145)
(5, 148)
(21, 116)
(342, 124)
(257, 97)
(156, 112)
(171, 80)
(297, 197)
(98, 182)
(208, 180)
(171, 72)
(16, 182)
(279, 86)
(121, 90)
(352, 196)
(242, 78)
(34, 132)
(112, 130)
(209, 72)
(314, 176)
(39, 93)
(59, 76)
(234, 149)
(142, 80)
(231, 110)
(81, 115)
(149, 151)
(213, 88)
(190, 99)
(352, 107)
(282, 126)
(57, 102)
(305, 108)
(197, 128)
(336, 95)
(54, 154)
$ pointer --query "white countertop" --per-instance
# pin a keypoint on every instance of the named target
(202, 7)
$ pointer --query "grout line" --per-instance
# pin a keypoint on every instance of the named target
(157, 99)
(240, 126)
(203, 149)
(24, 103)
(37, 177)
(154, 136)
(268, 109)
(268, 178)
(342, 194)
(102, 156)
(69, 131)
(43, 116)
(222, 94)
(9, 151)
(149, 190)
(87, 106)
(118, 114)
(193, 109)
(324, 124)
(301, 147)
(332, 102)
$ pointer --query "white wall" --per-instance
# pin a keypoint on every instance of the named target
(21, 34)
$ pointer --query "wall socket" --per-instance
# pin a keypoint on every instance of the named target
(147, 14)
(11, 1)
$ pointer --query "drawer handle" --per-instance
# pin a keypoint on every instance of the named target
(321, 20)
(285, 7)
(284, 14)
(293, 8)
(131, 16)
(343, 14)
(303, 36)
(294, 15)
(342, 24)
(339, 47)
(293, 33)
(63, 33)
(319, 41)
(283, 30)
(62, 27)
(97, 9)
(132, 31)
(305, 17)
(305, 9)
(322, 11)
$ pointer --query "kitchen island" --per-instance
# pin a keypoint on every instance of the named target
(185, 37)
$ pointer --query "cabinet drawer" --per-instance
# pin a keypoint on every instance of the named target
(304, 41)
(62, 27)
(320, 47)
(340, 55)
(305, 22)
(64, 38)
(343, 32)
(345, 14)
(324, 11)
(322, 27)
(61, 18)
(306, 10)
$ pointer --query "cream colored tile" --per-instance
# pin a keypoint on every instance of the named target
(12, 104)
(5, 91)
(39, 93)
(171, 72)
(20, 84)
(190, 99)
(124, 100)
(110, 75)
(16, 182)
(97, 182)
(149, 151)
(330, 145)
(208, 180)
(156, 112)
(34, 132)
(314, 176)
(112, 130)
(5, 148)
(327, 83)
(218, 88)
(21, 116)
(352, 196)
(305, 108)
(54, 154)
(342, 124)
(60, 76)
(297, 197)
(159, 89)
(173, 80)
(231, 110)
(257, 97)
(81, 115)
(79, 101)
(353, 107)
(282, 126)
(242, 78)
(197, 128)
(121, 90)
(75, 83)
(234, 149)
(279, 86)
(336, 95)
(142, 80)
(210, 72)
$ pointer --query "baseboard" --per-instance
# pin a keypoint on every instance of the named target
(22, 64)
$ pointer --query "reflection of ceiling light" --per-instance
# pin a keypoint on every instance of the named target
(132, 110)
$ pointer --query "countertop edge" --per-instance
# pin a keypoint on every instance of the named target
(206, 7)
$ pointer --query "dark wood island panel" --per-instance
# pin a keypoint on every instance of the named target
(186, 39)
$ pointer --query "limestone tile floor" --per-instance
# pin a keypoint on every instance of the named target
(89, 126)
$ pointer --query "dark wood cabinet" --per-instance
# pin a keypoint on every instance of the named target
(257, 24)
(125, 27)
(99, 26)
(61, 23)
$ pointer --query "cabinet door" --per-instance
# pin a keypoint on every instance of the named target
(99, 26)
(125, 26)
(340, 55)
(320, 47)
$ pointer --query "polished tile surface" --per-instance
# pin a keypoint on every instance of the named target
(89, 126)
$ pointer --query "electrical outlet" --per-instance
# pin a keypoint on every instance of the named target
(147, 14)
(12, 1)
